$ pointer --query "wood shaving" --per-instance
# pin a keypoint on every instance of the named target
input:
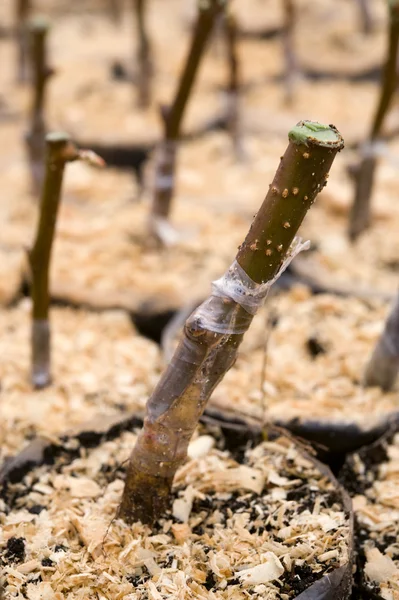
(338, 263)
(89, 378)
(72, 547)
(299, 385)
(375, 472)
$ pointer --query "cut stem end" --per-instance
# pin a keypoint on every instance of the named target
(311, 133)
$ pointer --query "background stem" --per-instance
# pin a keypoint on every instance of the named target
(35, 138)
(360, 214)
(290, 60)
(366, 18)
(23, 9)
(383, 367)
(143, 55)
(173, 115)
(214, 331)
(59, 151)
(233, 85)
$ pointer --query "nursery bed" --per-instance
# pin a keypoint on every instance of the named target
(371, 476)
(147, 278)
(310, 379)
(89, 378)
(366, 267)
(59, 538)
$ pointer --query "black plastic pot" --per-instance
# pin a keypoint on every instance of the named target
(236, 435)
(372, 455)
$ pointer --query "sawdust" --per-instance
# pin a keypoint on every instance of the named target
(377, 515)
(233, 541)
(101, 366)
(316, 355)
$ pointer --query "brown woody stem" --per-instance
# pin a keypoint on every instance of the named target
(291, 66)
(115, 11)
(143, 55)
(233, 85)
(365, 15)
(360, 215)
(383, 367)
(35, 138)
(23, 8)
(214, 331)
(208, 11)
(59, 151)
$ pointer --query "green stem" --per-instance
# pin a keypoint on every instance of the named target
(59, 151)
(143, 55)
(208, 10)
(35, 138)
(360, 215)
(383, 367)
(214, 331)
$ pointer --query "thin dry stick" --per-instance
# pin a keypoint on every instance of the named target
(364, 175)
(59, 151)
(214, 331)
(35, 139)
(233, 85)
(144, 62)
(291, 65)
(383, 367)
(172, 118)
(22, 11)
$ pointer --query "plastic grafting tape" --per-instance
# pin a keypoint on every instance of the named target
(236, 285)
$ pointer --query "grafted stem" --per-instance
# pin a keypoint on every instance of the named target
(59, 151)
(165, 167)
(383, 367)
(143, 55)
(214, 331)
(360, 215)
(35, 138)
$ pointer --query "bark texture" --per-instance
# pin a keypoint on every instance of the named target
(214, 331)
